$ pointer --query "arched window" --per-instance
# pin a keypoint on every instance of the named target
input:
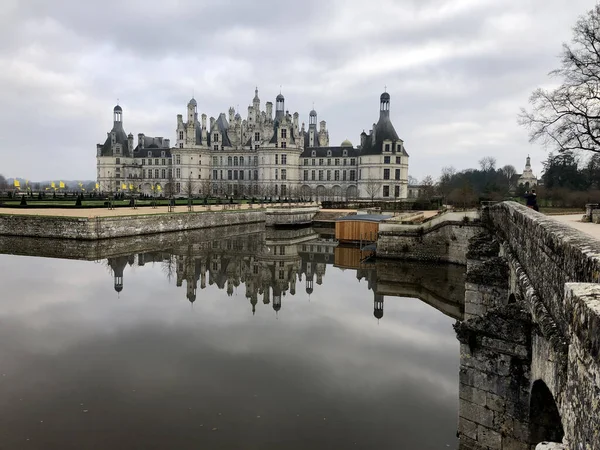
(229, 161)
(235, 160)
(241, 160)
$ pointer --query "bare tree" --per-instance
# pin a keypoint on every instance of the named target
(487, 163)
(427, 187)
(189, 187)
(206, 187)
(445, 183)
(509, 172)
(372, 188)
(568, 117)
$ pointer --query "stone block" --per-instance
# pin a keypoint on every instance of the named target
(467, 428)
(490, 438)
(495, 402)
(476, 413)
(505, 347)
(550, 446)
(473, 395)
(509, 443)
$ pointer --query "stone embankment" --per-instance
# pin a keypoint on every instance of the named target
(444, 238)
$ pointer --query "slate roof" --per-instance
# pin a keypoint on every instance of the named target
(384, 130)
(155, 150)
(336, 152)
(121, 139)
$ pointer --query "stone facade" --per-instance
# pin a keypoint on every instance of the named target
(264, 154)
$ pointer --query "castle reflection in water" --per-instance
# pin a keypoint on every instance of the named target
(271, 264)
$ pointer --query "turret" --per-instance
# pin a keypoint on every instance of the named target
(269, 110)
(296, 120)
(231, 114)
(384, 105)
(117, 115)
(279, 107)
(192, 108)
(204, 133)
(141, 140)
(130, 141)
(363, 138)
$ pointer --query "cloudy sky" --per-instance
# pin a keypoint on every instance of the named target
(457, 70)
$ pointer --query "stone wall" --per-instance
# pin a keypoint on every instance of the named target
(443, 239)
(124, 246)
(119, 226)
(290, 216)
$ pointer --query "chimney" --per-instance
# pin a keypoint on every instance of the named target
(141, 140)
(269, 106)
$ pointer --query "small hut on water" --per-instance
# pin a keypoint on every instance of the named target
(359, 228)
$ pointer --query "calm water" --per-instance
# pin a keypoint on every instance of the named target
(266, 340)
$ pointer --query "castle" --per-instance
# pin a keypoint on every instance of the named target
(264, 154)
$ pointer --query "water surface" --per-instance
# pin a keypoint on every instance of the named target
(268, 340)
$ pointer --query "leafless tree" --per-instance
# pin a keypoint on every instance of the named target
(170, 187)
(427, 187)
(445, 183)
(189, 187)
(372, 188)
(568, 117)
(487, 163)
(509, 172)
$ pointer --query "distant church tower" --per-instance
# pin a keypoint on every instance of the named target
(527, 179)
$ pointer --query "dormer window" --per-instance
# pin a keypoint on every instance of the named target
(216, 138)
(283, 133)
(328, 152)
(345, 152)
(149, 154)
(181, 135)
(162, 154)
(313, 154)
(387, 147)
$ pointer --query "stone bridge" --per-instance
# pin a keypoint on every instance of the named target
(530, 342)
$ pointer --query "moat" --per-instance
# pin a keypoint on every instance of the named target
(268, 339)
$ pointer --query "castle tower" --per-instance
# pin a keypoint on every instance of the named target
(117, 115)
(312, 129)
(279, 107)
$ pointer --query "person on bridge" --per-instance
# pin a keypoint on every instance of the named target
(531, 199)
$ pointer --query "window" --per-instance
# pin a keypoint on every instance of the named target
(221, 174)
(352, 161)
(181, 145)
(256, 160)
(118, 161)
(241, 160)
(345, 153)
(229, 175)
(398, 160)
(397, 174)
(306, 175)
(235, 160)
(215, 161)
(337, 162)
(283, 192)
(386, 191)
(241, 174)
(156, 173)
(162, 154)
(284, 159)
(320, 161)
(156, 162)
(312, 175)
(177, 159)
(229, 161)
(256, 146)
(178, 172)
(235, 174)
(149, 162)
(164, 162)
(387, 149)
(344, 175)
(328, 152)
(320, 175)
(216, 147)
(149, 173)
(178, 187)
(386, 159)
(283, 174)
(313, 162)
(164, 173)
(386, 174)
(149, 154)
(257, 136)
(170, 173)
(256, 174)
(215, 174)
(276, 173)
(276, 159)
(283, 145)
(143, 162)
(306, 161)
(336, 175)
(396, 191)
(283, 133)
(216, 138)
(329, 175)
(313, 154)
(352, 175)
(181, 135)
